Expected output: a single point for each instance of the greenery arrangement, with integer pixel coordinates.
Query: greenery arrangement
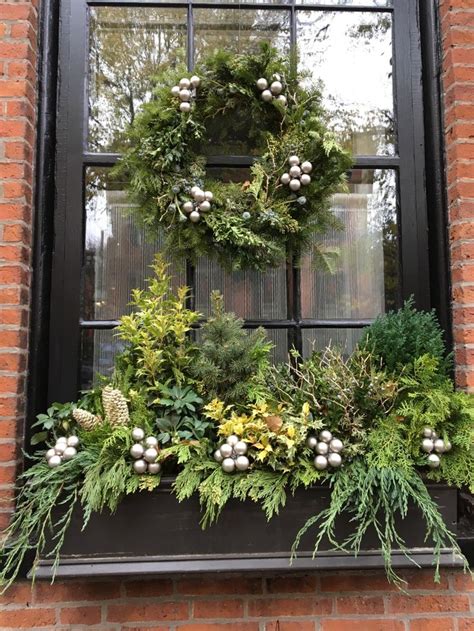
(379, 401)
(261, 222)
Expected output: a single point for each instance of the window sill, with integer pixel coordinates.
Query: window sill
(153, 534)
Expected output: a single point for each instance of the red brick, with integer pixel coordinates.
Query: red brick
(16, 232)
(465, 378)
(148, 612)
(360, 582)
(424, 580)
(13, 211)
(17, 594)
(20, 29)
(8, 429)
(362, 625)
(8, 452)
(148, 588)
(271, 607)
(427, 603)
(21, 11)
(7, 474)
(13, 275)
(433, 624)
(14, 253)
(466, 624)
(81, 615)
(282, 625)
(74, 591)
(17, 151)
(460, 151)
(460, 36)
(22, 68)
(292, 584)
(462, 273)
(11, 170)
(464, 356)
(204, 586)
(360, 605)
(10, 50)
(218, 608)
(27, 618)
(213, 626)
(463, 582)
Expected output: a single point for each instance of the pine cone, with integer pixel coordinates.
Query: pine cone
(115, 407)
(86, 419)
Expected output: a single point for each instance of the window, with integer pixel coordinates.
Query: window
(368, 55)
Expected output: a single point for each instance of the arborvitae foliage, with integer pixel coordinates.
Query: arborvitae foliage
(400, 337)
(230, 360)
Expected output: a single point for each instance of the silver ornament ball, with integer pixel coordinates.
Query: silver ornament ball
(228, 465)
(154, 467)
(335, 460)
(199, 196)
(136, 451)
(209, 196)
(276, 87)
(195, 81)
(184, 83)
(175, 90)
(185, 107)
(151, 441)
(293, 160)
(138, 434)
(321, 463)
(73, 441)
(295, 171)
(140, 466)
(322, 449)
(49, 454)
(205, 206)
(151, 454)
(218, 457)
(232, 440)
(262, 84)
(295, 185)
(285, 178)
(60, 447)
(447, 445)
(226, 450)
(281, 99)
(240, 448)
(194, 190)
(439, 446)
(195, 216)
(306, 167)
(54, 461)
(433, 461)
(246, 215)
(427, 445)
(427, 432)
(325, 436)
(61, 439)
(266, 96)
(69, 453)
(336, 445)
(188, 207)
(242, 463)
(305, 179)
(311, 442)
(184, 95)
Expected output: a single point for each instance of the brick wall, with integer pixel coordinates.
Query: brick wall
(327, 602)
(18, 37)
(320, 602)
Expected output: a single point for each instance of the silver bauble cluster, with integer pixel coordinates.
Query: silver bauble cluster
(272, 91)
(431, 442)
(145, 452)
(328, 450)
(185, 91)
(64, 449)
(201, 203)
(298, 175)
(231, 455)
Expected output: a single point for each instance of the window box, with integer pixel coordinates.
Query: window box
(151, 533)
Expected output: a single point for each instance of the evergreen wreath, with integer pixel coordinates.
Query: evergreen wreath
(257, 224)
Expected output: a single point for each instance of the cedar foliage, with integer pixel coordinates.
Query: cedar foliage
(230, 360)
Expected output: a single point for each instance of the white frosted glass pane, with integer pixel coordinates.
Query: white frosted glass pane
(98, 351)
(118, 251)
(351, 53)
(365, 278)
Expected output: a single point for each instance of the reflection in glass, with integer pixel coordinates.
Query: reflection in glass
(351, 52)
(128, 46)
(239, 30)
(349, 3)
(118, 252)
(344, 340)
(98, 351)
(365, 278)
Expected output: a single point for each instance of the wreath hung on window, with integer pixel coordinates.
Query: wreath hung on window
(286, 199)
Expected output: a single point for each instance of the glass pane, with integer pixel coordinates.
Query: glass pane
(239, 2)
(364, 279)
(318, 339)
(239, 30)
(98, 351)
(118, 252)
(128, 46)
(351, 52)
(349, 3)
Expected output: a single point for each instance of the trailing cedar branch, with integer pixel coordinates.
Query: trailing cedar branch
(374, 498)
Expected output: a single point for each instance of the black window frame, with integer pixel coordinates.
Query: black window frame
(62, 158)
